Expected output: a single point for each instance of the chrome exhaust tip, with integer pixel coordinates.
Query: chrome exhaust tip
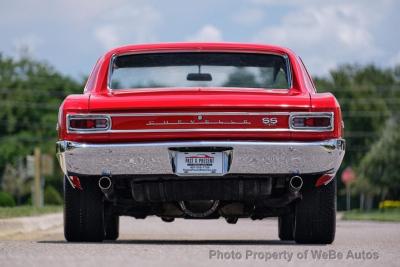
(295, 183)
(105, 183)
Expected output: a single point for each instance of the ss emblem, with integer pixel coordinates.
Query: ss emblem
(270, 121)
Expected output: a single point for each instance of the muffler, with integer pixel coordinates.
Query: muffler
(106, 187)
(295, 184)
(293, 193)
(199, 209)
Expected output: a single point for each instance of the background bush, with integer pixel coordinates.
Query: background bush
(52, 196)
(6, 200)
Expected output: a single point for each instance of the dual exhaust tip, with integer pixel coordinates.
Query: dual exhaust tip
(295, 183)
(105, 183)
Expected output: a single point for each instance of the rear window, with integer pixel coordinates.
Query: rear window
(199, 69)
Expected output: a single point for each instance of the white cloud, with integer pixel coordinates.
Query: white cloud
(128, 24)
(27, 45)
(325, 35)
(107, 36)
(69, 11)
(208, 33)
(249, 16)
(111, 22)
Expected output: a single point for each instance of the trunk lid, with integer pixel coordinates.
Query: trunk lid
(197, 113)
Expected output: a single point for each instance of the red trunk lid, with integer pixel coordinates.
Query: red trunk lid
(197, 113)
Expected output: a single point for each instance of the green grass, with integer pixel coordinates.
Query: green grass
(376, 215)
(21, 211)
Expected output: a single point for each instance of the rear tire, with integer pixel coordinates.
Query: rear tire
(111, 223)
(83, 212)
(315, 218)
(286, 227)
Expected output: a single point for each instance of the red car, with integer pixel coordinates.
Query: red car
(200, 131)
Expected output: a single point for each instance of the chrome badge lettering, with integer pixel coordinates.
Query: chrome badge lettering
(198, 122)
(270, 121)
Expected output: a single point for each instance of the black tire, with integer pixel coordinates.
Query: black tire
(111, 223)
(83, 212)
(286, 227)
(315, 217)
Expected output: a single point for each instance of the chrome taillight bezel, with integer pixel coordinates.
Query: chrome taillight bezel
(328, 128)
(71, 117)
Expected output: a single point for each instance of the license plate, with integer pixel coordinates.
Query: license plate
(197, 163)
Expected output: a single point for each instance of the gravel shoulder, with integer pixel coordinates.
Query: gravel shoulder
(23, 227)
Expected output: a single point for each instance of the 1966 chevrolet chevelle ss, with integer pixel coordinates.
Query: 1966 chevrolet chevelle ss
(200, 131)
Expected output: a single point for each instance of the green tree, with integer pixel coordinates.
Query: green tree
(381, 164)
(30, 94)
(368, 97)
(364, 107)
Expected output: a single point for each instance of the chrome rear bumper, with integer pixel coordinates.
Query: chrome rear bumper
(245, 157)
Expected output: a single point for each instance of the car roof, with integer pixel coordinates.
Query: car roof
(201, 46)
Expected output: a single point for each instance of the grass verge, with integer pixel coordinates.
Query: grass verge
(376, 215)
(22, 211)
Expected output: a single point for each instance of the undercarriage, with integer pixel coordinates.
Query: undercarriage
(232, 197)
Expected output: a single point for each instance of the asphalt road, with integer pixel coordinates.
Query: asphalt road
(151, 242)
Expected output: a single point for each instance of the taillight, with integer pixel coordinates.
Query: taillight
(324, 179)
(311, 121)
(88, 123)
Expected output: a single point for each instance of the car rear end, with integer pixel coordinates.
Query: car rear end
(202, 134)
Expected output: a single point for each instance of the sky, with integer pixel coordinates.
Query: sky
(72, 34)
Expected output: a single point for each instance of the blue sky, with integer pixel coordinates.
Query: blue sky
(72, 34)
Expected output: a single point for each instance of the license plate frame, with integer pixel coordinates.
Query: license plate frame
(199, 163)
